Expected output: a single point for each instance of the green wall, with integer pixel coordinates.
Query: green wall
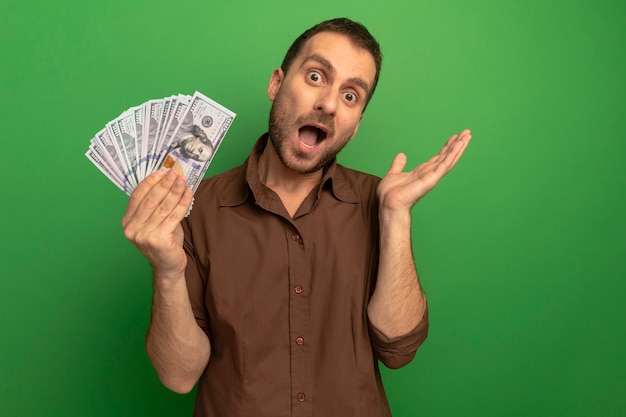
(521, 248)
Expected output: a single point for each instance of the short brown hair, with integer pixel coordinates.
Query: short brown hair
(357, 33)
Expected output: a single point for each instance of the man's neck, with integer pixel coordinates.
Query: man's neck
(292, 187)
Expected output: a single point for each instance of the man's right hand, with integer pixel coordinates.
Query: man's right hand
(178, 348)
(152, 221)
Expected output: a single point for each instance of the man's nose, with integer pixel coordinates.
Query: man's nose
(327, 101)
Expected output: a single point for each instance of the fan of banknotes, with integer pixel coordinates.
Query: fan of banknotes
(179, 132)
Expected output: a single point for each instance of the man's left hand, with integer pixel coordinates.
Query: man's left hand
(400, 190)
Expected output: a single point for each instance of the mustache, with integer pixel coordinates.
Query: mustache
(323, 119)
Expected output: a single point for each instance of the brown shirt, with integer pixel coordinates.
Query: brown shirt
(283, 300)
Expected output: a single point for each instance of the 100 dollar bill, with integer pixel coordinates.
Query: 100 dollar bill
(178, 132)
(200, 129)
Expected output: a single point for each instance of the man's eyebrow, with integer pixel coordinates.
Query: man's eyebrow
(361, 83)
(320, 60)
(329, 67)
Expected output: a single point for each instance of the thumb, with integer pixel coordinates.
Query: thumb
(398, 164)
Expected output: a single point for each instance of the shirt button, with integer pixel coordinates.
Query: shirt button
(298, 289)
(300, 341)
(301, 397)
(295, 237)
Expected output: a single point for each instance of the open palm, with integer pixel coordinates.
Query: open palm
(401, 190)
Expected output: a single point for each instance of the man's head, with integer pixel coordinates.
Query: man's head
(355, 31)
(196, 145)
(319, 99)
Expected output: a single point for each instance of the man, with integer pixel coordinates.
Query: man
(292, 276)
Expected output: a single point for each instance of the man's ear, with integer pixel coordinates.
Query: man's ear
(274, 85)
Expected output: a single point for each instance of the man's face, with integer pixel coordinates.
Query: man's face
(318, 103)
(194, 148)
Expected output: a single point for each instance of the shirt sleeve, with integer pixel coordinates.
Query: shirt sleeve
(196, 283)
(397, 352)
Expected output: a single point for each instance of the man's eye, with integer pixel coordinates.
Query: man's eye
(351, 97)
(315, 76)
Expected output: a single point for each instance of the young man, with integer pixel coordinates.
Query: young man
(292, 276)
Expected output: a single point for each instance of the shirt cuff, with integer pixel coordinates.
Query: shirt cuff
(398, 351)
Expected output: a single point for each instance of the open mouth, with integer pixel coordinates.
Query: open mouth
(311, 136)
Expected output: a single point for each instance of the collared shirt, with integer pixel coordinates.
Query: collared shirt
(284, 300)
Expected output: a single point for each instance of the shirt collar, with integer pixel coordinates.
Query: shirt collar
(333, 178)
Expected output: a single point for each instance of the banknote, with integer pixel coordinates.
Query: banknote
(152, 114)
(98, 160)
(138, 117)
(122, 130)
(201, 128)
(179, 132)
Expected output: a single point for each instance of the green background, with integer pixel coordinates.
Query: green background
(521, 248)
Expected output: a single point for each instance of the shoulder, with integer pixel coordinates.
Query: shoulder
(356, 177)
(347, 181)
(225, 181)
(228, 188)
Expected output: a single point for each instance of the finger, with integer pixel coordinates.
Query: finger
(460, 145)
(398, 164)
(449, 145)
(180, 211)
(455, 139)
(139, 193)
(172, 208)
(152, 198)
(465, 141)
(453, 154)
